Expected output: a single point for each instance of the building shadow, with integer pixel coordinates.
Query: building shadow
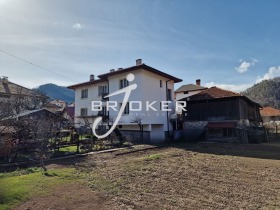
(263, 151)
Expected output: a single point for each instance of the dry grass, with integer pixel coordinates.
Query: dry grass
(198, 176)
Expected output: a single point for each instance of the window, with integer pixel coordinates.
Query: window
(84, 93)
(169, 94)
(186, 92)
(123, 83)
(83, 112)
(160, 83)
(102, 90)
(126, 109)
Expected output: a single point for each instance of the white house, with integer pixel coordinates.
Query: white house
(188, 90)
(152, 85)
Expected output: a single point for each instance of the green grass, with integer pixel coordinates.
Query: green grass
(68, 149)
(21, 185)
(154, 156)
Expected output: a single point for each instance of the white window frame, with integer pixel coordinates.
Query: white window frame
(123, 83)
(84, 93)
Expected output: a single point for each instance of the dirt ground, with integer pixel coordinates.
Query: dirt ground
(202, 176)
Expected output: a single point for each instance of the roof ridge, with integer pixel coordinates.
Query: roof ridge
(227, 90)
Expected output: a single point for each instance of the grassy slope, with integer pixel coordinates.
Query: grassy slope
(21, 185)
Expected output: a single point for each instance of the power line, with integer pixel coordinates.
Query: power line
(36, 65)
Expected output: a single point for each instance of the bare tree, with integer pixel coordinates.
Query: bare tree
(41, 129)
(138, 120)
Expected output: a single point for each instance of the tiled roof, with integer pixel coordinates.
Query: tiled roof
(142, 66)
(8, 88)
(7, 129)
(212, 93)
(216, 93)
(86, 83)
(270, 112)
(190, 87)
(103, 77)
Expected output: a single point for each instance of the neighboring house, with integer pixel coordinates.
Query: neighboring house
(189, 90)
(71, 105)
(36, 114)
(152, 85)
(20, 96)
(270, 114)
(69, 114)
(6, 140)
(61, 109)
(222, 115)
(53, 108)
(59, 103)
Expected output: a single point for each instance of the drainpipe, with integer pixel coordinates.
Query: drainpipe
(167, 118)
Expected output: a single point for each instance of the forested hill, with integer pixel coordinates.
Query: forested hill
(266, 93)
(57, 92)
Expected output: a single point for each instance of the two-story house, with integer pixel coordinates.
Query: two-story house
(153, 87)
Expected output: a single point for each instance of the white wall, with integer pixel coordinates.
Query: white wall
(148, 90)
(86, 102)
(181, 95)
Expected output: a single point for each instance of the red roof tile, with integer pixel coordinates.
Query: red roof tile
(270, 112)
(213, 93)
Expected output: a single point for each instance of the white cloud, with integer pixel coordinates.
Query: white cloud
(78, 26)
(245, 65)
(58, 23)
(235, 88)
(272, 72)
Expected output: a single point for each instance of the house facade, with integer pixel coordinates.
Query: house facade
(152, 86)
(270, 114)
(222, 115)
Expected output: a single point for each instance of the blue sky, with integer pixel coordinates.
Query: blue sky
(230, 44)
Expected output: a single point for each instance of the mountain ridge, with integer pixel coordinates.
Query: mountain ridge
(266, 93)
(56, 92)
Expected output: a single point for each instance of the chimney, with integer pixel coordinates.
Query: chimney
(138, 62)
(5, 80)
(91, 78)
(198, 82)
(112, 70)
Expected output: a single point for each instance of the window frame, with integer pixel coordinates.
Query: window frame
(84, 93)
(126, 109)
(82, 114)
(123, 83)
(169, 94)
(102, 89)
